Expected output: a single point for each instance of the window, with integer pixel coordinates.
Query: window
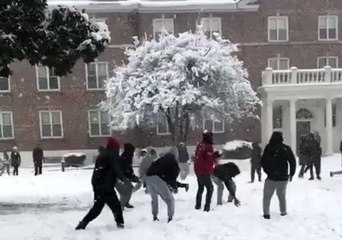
(6, 125)
(327, 28)
(334, 115)
(279, 63)
(213, 123)
(162, 124)
(97, 73)
(278, 29)
(47, 80)
(162, 24)
(327, 61)
(277, 117)
(211, 26)
(98, 123)
(51, 124)
(4, 84)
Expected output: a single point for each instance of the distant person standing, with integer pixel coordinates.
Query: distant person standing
(315, 157)
(337, 172)
(183, 159)
(275, 161)
(256, 162)
(15, 160)
(38, 156)
(6, 162)
(304, 155)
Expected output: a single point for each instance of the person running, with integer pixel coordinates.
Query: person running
(304, 155)
(161, 176)
(204, 167)
(106, 173)
(275, 162)
(15, 160)
(255, 162)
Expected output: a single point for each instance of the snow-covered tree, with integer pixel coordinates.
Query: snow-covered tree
(56, 39)
(179, 77)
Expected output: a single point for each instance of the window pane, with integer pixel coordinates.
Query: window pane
(277, 117)
(43, 83)
(273, 35)
(94, 130)
(7, 131)
(92, 82)
(168, 25)
(52, 72)
(4, 84)
(282, 23)
(104, 129)
(42, 71)
(45, 116)
(157, 26)
(332, 33)
(283, 64)
(215, 25)
(46, 130)
(322, 22)
(321, 62)
(332, 62)
(323, 33)
(53, 83)
(273, 63)
(56, 118)
(282, 34)
(218, 126)
(102, 69)
(57, 130)
(208, 125)
(332, 23)
(205, 24)
(6, 119)
(104, 117)
(272, 24)
(92, 69)
(94, 117)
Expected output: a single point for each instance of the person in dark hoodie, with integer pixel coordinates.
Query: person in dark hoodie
(106, 173)
(15, 160)
(161, 176)
(255, 162)
(38, 156)
(275, 162)
(126, 187)
(223, 175)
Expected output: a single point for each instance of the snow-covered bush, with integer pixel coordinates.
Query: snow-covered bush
(178, 77)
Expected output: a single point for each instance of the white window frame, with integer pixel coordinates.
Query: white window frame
(96, 74)
(163, 22)
(326, 60)
(168, 132)
(210, 19)
(99, 125)
(204, 119)
(269, 29)
(2, 126)
(278, 59)
(50, 115)
(48, 81)
(9, 85)
(319, 32)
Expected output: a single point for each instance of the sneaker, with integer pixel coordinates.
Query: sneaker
(267, 216)
(187, 187)
(120, 225)
(219, 204)
(310, 179)
(197, 207)
(129, 206)
(301, 176)
(169, 220)
(331, 174)
(81, 226)
(283, 214)
(319, 178)
(155, 219)
(207, 208)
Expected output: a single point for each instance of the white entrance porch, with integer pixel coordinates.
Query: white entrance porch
(298, 101)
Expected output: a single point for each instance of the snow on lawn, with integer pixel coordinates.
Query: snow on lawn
(50, 206)
(233, 145)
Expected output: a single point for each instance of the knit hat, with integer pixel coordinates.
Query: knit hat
(112, 143)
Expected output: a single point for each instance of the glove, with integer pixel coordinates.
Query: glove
(237, 203)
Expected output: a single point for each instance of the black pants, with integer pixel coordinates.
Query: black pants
(181, 185)
(317, 165)
(204, 181)
(100, 199)
(15, 170)
(38, 169)
(302, 170)
(255, 168)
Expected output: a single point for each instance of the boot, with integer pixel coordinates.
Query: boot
(81, 226)
(311, 178)
(198, 207)
(155, 219)
(267, 217)
(319, 178)
(331, 174)
(129, 205)
(206, 208)
(169, 220)
(120, 225)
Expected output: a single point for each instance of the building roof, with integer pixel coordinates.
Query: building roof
(159, 5)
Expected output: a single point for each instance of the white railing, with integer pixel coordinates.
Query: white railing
(301, 76)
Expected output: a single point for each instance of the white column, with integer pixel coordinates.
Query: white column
(329, 125)
(293, 125)
(269, 119)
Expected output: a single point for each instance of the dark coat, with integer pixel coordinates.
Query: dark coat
(226, 171)
(106, 171)
(341, 146)
(316, 151)
(15, 159)
(183, 155)
(256, 155)
(126, 162)
(276, 160)
(38, 156)
(166, 168)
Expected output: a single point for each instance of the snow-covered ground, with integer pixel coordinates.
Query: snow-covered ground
(50, 206)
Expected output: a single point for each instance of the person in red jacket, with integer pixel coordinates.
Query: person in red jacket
(204, 167)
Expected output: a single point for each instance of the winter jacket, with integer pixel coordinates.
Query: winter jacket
(145, 165)
(38, 156)
(256, 155)
(183, 155)
(166, 168)
(6, 159)
(226, 172)
(106, 171)
(276, 160)
(204, 159)
(126, 161)
(15, 159)
(316, 151)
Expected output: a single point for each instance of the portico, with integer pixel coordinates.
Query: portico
(299, 101)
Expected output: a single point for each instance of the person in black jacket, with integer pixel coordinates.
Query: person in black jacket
(161, 176)
(224, 174)
(316, 153)
(255, 162)
(105, 175)
(15, 160)
(38, 156)
(126, 187)
(275, 162)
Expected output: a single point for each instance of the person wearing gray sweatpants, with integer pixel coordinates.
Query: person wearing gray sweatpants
(160, 178)
(275, 161)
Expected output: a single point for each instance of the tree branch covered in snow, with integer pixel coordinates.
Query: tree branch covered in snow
(179, 76)
(56, 40)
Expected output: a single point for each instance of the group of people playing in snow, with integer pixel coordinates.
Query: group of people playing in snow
(14, 160)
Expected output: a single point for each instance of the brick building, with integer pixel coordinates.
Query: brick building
(61, 113)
